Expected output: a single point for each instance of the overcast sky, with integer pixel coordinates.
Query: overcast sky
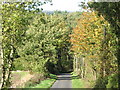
(63, 5)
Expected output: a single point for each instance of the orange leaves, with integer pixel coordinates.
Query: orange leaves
(88, 33)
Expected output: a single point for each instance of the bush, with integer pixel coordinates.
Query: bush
(107, 82)
(18, 64)
(112, 81)
(101, 82)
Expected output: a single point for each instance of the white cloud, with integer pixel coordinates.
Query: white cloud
(63, 5)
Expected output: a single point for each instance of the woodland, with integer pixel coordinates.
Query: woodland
(86, 43)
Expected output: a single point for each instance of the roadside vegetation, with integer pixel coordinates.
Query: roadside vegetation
(77, 82)
(47, 83)
(25, 79)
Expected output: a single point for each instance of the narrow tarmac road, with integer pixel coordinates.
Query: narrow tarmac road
(63, 81)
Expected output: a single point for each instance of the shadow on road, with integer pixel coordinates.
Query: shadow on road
(64, 78)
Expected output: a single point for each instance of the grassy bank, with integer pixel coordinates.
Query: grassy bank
(19, 78)
(24, 79)
(76, 81)
(46, 83)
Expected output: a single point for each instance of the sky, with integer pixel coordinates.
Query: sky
(63, 5)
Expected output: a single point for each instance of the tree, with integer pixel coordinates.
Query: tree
(111, 14)
(47, 44)
(91, 41)
(14, 24)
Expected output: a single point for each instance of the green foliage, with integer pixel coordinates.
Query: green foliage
(14, 27)
(46, 45)
(107, 82)
(101, 82)
(52, 76)
(112, 81)
(15, 21)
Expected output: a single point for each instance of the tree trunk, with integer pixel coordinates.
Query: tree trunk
(7, 70)
(1, 63)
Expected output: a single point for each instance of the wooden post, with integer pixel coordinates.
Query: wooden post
(74, 66)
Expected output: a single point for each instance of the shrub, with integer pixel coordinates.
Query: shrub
(101, 82)
(112, 81)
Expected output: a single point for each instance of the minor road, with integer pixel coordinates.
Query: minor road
(63, 81)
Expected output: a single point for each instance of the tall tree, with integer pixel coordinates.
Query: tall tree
(110, 11)
(14, 24)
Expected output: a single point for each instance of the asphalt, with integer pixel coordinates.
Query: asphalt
(63, 81)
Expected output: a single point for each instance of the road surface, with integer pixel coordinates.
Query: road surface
(63, 81)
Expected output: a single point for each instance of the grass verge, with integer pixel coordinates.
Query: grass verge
(76, 81)
(46, 83)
